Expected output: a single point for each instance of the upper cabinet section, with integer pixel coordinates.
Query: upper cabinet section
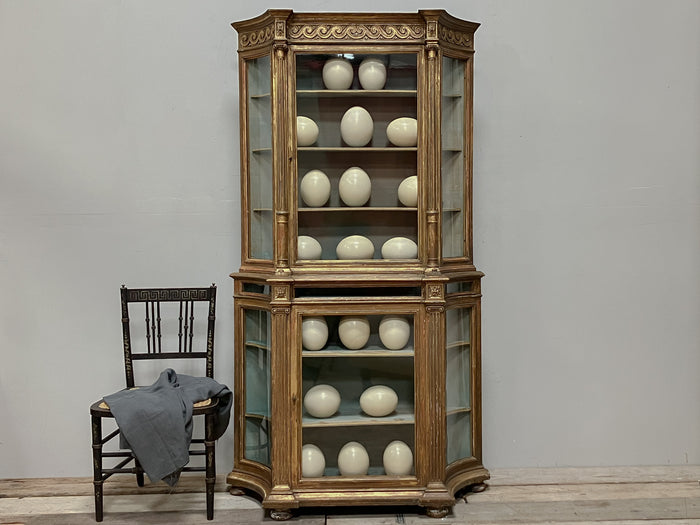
(356, 141)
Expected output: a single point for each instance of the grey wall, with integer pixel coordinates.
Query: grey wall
(119, 163)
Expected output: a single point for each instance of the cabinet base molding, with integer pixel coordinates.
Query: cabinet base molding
(281, 503)
(247, 481)
(471, 478)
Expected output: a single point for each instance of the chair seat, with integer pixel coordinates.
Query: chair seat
(101, 408)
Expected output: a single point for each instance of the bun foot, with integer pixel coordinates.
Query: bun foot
(280, 515)
(440, 512)
(479, 487)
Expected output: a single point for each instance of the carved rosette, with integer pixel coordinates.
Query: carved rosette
(280, 293)
(435, 291)
(357, 32)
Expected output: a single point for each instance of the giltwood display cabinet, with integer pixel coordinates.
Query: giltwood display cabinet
(357, 304)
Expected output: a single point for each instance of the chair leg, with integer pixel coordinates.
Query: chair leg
(139, 473)
(210, 448)
(97, 464)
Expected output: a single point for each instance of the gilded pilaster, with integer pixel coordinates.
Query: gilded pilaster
(432, 126)
(280, 143)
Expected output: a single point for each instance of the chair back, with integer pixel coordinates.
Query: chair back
(183, 310)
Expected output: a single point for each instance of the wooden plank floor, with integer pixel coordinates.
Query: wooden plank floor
(621, 495)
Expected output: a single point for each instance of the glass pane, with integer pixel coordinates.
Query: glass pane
(458, 384)
(358, 388)
(257, 375)
(459, 287)
(367, 203)
(260, 158)
(453, 157)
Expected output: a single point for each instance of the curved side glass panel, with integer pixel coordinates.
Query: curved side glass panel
(258, 386)
(459, 412)
(453, 156)
(260, 218)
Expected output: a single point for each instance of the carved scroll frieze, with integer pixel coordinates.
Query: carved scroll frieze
(457, 38)
(256, 38)
(357, 32)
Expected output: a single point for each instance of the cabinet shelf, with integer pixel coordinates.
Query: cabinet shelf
(332, 473)
(326, 93)
(353, 149)
(350, 414)
(359, 209)
(257, 344)
(451, 411)
(366, 352)
(458, 344)
(257, 415)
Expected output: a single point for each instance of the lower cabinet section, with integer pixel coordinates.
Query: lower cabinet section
(362, 397)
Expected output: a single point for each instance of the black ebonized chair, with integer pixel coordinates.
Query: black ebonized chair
(159, 324)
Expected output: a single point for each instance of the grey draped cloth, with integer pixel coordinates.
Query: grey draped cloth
(156, 421)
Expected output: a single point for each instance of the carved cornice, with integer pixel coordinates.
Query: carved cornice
(357, 32)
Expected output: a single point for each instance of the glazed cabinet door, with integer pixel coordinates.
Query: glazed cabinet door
(357, 157)
(358, 415)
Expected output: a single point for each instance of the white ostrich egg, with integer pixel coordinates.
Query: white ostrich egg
(308, 248)
(357, 127)
(314, 333)
(307, 131)
(315, 188)
(337, 74)
(403, 132)
(353, 459)
(379, 401)
(398, 459)
(353, 331)
(322, 401)
(394, 331)
(355, 247)
(372, 73)
(399, 248)
(313, 462)
(355, 186)
(408, 191)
